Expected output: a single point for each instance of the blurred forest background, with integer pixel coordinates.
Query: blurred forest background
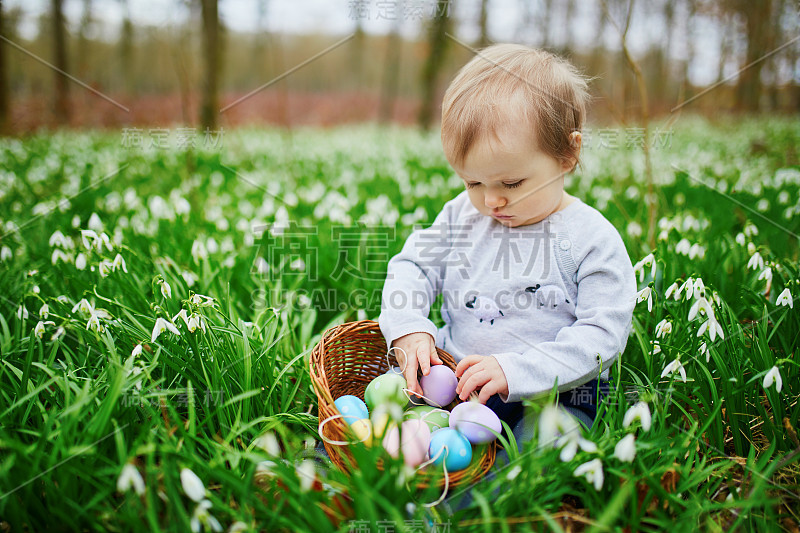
(67, 63)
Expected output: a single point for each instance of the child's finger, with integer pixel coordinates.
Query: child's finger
(435, 354)
(424, 360)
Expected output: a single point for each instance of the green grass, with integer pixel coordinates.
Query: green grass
(76, 408)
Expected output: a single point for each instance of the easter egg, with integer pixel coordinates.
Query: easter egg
(351, 407)
(439, 386)
(411, 439)
(381, 422)
(474, 420)
(450, 447)
(362, 429)
(386, 388)
(434, 417)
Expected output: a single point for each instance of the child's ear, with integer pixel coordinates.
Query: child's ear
(575, 140)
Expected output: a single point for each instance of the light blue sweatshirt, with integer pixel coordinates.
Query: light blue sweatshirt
(551, 301)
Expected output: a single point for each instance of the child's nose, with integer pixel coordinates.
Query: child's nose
(494, 201)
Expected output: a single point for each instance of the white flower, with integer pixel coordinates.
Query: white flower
(202, 301)
(58, 334)
(84, 306)
(675, 366)
(196, 321)
(699, 288)
(199, 251)
(269, 443)
(773, 376)
(672, 289)
(130, 478)
(625, 450)
(756, 262)
(58, 255)
(39, 329)
(750, 229)
(6, 253)
(701, 306)
(22, 312)
(166, 290)
(697, 251)
(634, 229)
(189, 278)
(58, 239)
(571, 442)
(740, 240)
(80, 261)
(592, 471)
(648, 260)
(785, 298)
(201, 518)
(86, 235)
(95, 223)
(192, 485)
(513, 473)
(94, 323)
(639, 411)
(137, 350)
(663, 328)
(656, 347)
(161, 326)
(307, 474)
(44, 311)
(106, 267)
(704, 351)
(713, 328)
(119, 262)
(683, 247)
(688, 285)
(298, 265)
(646, 294)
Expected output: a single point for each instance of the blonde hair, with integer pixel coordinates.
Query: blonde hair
(509, 82)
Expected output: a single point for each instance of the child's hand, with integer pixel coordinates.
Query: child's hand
(421, 351)
(482, 371)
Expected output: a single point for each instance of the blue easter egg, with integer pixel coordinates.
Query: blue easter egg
(351, 407)
(452, 448)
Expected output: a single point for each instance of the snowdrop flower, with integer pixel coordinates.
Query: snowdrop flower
(130, 478)
(161, 326)
(646, 294)
(750, 229)
(756, 262)
(94, 323)
(202, 519)
(95, 223)
(656, 347)
(202, 301)
(58, 334)
(634, 229)
(6, 253)
(84, 306)
(199, 251)
(592, 471)
(625, 450)
(80, 261)
(189, 278)
(740, 240)
(57, 239)
(675, 366)
(639, 411)
(166, 290)
(307, 474)
(699, 288)
(785, 298)
(196, 321)
(713, 328)
(687, 285)
(701, 306)
(95, 242)
(697, 251)
(192, 485)
(298, 265)
(58, 255)
(704, 351)
(671, 289)
(106, 267)
(22, 313)
(570, 442)
(44, 311)
(648, 260)
(119, 262)
(269, 443)
(773, 376)
(663, 328)
(39, 329)
(683, 247)
(137, 350)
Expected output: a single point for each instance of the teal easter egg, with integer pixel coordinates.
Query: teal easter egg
(450, 447)
(351, 407)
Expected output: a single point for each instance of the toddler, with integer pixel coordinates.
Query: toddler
(537, 287)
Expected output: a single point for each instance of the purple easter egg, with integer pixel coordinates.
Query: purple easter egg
(439, 386)
(474, 420)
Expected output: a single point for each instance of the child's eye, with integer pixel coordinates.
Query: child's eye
(472, 185)
(513, 185)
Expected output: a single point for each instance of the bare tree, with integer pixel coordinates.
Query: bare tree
(437, 48)
(757, 16)
(126, 48)
(391, 70)
(83, 39)
(483, 25)
(209, 108)
(4, 106)
(60, 61)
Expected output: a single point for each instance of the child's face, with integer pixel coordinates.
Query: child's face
(512, 180)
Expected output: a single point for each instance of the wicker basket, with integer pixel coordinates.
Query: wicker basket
(346, 359)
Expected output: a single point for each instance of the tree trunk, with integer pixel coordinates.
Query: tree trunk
(483, 23)
(430, 72)
(126, 49)
(757, 17)
(209, 109)
(60, 61)
(391, 72)
(4, 108)
(83, 40)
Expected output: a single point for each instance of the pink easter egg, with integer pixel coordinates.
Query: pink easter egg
(474, 420)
